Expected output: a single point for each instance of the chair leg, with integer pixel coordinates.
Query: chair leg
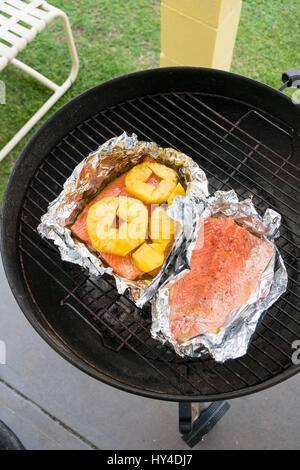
(37, 75)
(35, 118)
(71, 45)
(58, 90)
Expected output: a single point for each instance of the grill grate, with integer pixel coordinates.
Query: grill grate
(251, 154)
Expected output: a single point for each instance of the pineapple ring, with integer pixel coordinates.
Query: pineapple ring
(132, 231)
(136, 185)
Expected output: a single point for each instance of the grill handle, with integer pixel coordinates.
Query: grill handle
(289, 79)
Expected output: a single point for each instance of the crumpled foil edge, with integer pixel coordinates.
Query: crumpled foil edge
(233, 339)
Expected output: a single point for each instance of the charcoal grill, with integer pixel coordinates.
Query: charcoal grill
(244, 135)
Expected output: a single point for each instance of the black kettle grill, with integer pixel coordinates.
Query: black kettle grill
(244, 135)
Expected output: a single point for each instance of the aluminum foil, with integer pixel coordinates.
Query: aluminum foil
(234, 336)
(111, 159)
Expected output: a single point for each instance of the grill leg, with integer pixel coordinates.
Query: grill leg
(194, 428)
(185, 418)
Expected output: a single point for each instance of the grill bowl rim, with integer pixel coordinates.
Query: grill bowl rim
(11, 260)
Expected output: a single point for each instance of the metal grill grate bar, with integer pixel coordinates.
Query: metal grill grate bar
(223, 118)
(235, 126)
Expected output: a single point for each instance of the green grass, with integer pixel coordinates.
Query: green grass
(268, 40)
(114, 37)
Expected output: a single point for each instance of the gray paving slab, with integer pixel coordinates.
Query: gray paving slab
(111, 419)
(34, 427)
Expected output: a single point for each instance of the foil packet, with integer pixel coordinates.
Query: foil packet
(234, 336)
(114, 157)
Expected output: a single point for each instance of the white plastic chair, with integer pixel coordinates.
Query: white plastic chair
(36, 15)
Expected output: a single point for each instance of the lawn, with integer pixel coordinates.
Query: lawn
(114, 37)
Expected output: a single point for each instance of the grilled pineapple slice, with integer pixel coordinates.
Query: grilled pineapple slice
(162, 227)
(146, 258)
(136, 185)
(177, 191)
(133, 223)
(151, 256)
(160, 247)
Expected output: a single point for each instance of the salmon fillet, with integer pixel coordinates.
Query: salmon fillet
(122, 265)
(224, 271)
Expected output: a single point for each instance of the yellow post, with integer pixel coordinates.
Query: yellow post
(199, 33)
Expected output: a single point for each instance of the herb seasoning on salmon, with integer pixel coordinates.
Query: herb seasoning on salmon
(225, 269)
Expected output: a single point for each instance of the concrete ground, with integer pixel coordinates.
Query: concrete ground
(50, 404)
